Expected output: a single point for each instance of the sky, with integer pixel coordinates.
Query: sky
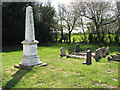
(56, 2)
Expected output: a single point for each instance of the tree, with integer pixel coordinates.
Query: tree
(98, 12)
(118, 12)
(80, 23)
(70, 19)
(118, 15)
(13, 22)
(60, 16)
(44, 19)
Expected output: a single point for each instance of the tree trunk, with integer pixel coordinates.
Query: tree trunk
(69, 37)
(98, 35)
(103, 35)
(109, 37)
(61, 34)
(118, 7)
(84, 36)
(83, 29)
(56, 36)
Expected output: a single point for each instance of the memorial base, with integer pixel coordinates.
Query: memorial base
(29, 67)
(30, 60)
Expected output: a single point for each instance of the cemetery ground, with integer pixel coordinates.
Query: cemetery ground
(60, 72)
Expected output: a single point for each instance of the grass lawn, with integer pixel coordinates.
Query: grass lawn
(60, 72)
(78, 38)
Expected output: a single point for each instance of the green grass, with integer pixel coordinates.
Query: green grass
(60, 72)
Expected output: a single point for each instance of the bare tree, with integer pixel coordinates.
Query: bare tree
(100, 13)
(118, 13)
(60, 18)
(80, 24)
(70, 19)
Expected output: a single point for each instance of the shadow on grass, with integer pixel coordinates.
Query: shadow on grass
(114, 47)
(11, 48)
(16, 78)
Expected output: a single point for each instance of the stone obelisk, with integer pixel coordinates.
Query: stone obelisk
(30, 54)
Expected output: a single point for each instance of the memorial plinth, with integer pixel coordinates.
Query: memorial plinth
(30, 54)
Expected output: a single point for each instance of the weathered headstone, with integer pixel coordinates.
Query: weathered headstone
(88, 60)
(115, 57)
(63, 52)
(77, 48)
(30, 54)
(70, 50)
(107, 50)
(98, 54)
(103, 52)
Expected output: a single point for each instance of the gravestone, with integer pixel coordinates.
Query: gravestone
(30, 54)
(98, 54)
(70, 50)
(77, 48)
(107, 50)
(88, 60)
(103, 52)
(63, 52)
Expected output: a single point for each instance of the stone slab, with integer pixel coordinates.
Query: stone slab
(82, 54)
(76, 56)
(29, 67)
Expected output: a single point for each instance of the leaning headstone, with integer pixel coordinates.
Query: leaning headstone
(30, 54)
(88, 60)
(107, 50)
(70, 50)
(98, 54)
(63, 52)
(77, 48)
(103, 52)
